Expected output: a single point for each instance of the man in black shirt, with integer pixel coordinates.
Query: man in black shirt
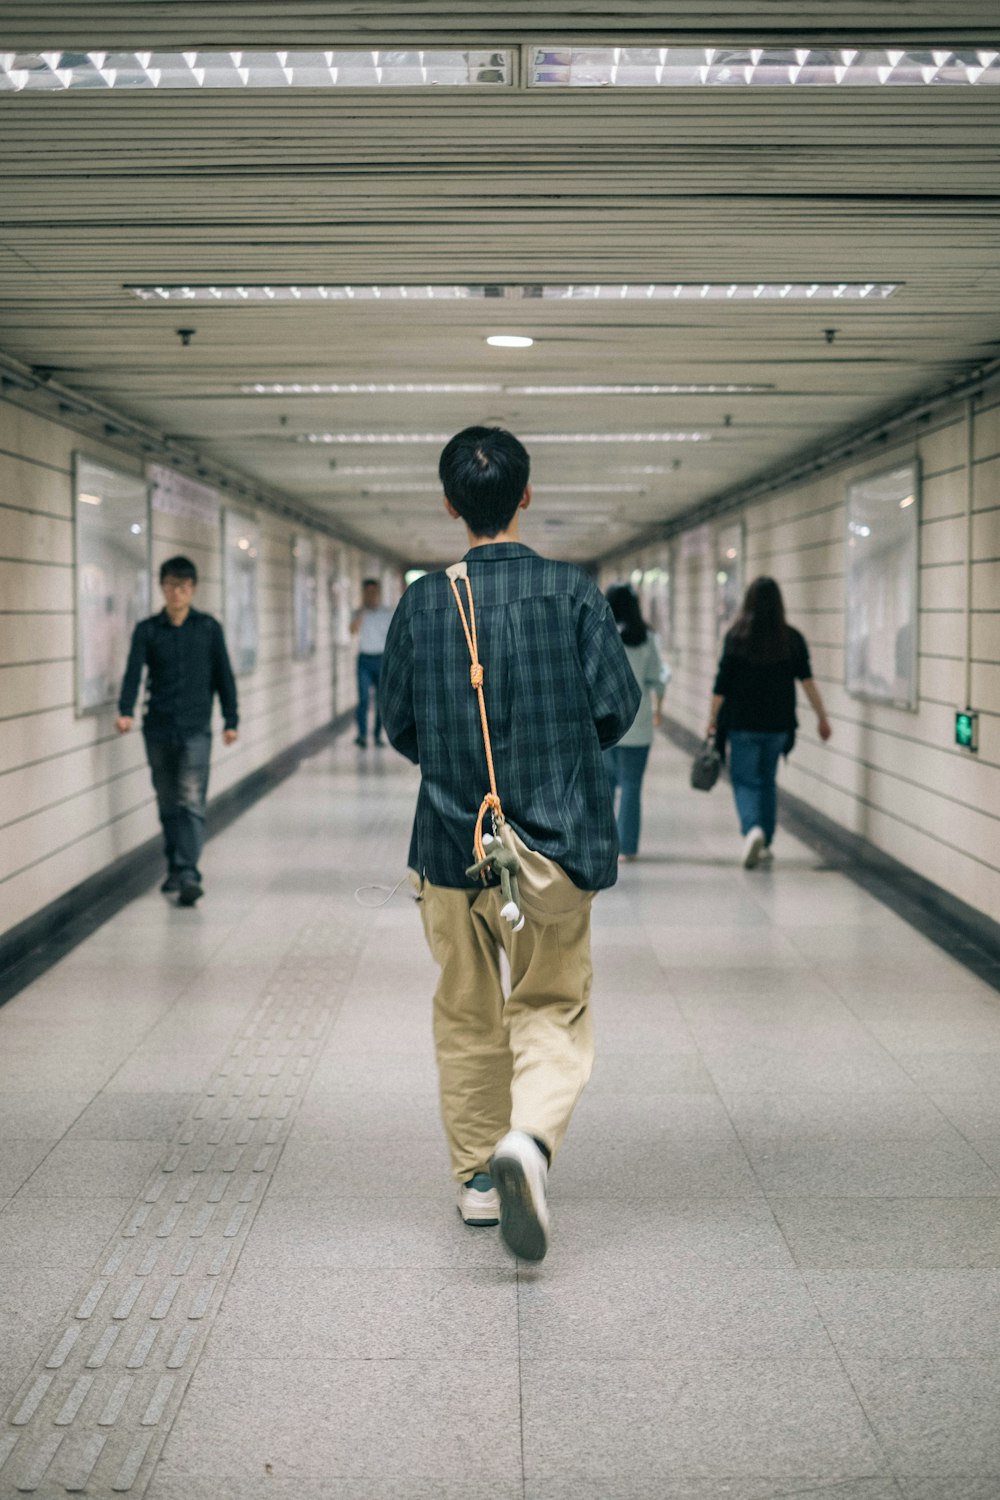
(184, 653)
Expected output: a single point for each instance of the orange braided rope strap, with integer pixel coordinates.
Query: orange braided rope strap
(491, 802)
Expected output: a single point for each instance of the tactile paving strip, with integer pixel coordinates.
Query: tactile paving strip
(95, 1412)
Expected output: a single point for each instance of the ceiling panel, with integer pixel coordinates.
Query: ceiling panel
(128, 23)
(505, 185)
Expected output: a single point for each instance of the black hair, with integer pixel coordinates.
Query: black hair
(628, 615)
(371, 583)
(760, 630)
(484, 471)
(178, 567)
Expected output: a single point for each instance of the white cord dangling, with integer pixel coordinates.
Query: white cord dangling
(374, 905)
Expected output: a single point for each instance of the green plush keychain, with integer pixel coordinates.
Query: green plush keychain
(505, 864)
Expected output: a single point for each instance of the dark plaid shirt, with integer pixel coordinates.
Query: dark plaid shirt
(559, 690)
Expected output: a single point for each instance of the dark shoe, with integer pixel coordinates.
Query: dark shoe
(519, 1172)
(171, 884)
(379, 742)
(361, 742)
(191, 892)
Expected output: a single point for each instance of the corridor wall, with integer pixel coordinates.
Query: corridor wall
(74, 795)
(892, 776)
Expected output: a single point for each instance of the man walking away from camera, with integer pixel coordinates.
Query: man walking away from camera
(558, 691)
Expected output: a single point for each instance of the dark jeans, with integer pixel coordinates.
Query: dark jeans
(626, 766)
(369, 668)
(753, 770)
(180, 776)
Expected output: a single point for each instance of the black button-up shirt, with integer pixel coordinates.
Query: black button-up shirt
(559, 690)
(186, 665)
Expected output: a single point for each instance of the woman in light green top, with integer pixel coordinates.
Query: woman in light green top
(626, 761)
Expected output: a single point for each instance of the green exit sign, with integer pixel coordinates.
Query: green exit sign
(967, 730)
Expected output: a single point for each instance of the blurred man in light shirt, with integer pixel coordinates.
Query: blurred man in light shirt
(371, 625)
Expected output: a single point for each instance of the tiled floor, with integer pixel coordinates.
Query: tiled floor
(776, 1259)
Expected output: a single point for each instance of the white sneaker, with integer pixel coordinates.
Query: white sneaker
(479, 1202)
(520, 1172)
(766, 855)
(752, 847)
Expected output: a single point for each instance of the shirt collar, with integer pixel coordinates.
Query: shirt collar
(498, 552)
(164, 619)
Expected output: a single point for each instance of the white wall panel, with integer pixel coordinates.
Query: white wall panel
(896, 778)
(32, 638)
(986, 532)
(36, 487)
(35, 538)
(74, 795)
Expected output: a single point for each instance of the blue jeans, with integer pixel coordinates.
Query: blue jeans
(369, 668)
(180, 777)
(753, 769)
(626, 765)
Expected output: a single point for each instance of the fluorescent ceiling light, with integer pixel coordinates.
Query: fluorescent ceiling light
(537, 437)
(358, 388)
(403, 489)
(767, 67)
(684, 291)
(373, 388)
(356, 470)
(632, 390)
(373, 437)
(255, 70)
(510, 341)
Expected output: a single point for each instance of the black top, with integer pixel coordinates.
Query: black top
(186, 665)
(558, 691)
(761, 695)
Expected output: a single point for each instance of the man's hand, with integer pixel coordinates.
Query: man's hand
(824, 727)
(123, 724)
(230, 736)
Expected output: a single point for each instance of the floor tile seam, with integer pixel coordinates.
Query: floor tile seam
(991, 1166)
(246, 1033)
(518, 1283)
(715, 1090)
(870, 1424)
(761, 1191)
(850, 1004)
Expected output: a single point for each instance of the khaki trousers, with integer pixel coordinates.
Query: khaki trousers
(514, 1062)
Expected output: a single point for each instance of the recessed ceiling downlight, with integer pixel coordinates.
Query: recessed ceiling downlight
(510, 341)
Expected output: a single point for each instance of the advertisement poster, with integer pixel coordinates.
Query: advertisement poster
(111, 513)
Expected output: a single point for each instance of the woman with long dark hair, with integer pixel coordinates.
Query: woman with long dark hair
(762, 658)
(626, 761)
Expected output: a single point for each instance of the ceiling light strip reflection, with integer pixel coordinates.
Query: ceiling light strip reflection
(685, 291)
(373, 388)
(761, 67)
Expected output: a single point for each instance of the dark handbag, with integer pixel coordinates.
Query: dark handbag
(705, 767)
